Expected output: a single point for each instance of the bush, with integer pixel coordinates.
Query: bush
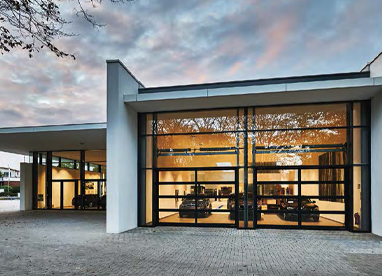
(11, 191)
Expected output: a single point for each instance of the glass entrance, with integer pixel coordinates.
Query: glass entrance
(300, 196)
(63, 194)
(301, 166)
(198, 196)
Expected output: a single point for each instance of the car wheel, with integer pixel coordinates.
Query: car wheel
(316, 218)
(285, 216)
(90, 204)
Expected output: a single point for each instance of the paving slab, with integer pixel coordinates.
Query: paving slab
(75, 243)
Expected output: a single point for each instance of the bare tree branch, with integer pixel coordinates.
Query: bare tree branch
(33, 25)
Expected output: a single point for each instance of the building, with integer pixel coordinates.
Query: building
(9, 176)
(296, 152)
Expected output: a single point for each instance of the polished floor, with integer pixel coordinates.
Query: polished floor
(266, 219)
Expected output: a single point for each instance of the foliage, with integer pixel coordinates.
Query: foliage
(9, 191)
(33, 25)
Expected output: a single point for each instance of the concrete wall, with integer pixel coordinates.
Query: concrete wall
(26, 187)
(376, 163)
(376, 67)
(122, 150)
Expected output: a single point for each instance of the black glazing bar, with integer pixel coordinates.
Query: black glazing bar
(196, 187)
(34, 179)
(349, 172)
(237, 197)
(237, 136)
(76, 194)
(245, 168)
(48, 196)
(155, 174)
(299, 197)
(61, 195)
(316, 146)
(98, 193)
(296, 196)
(298, 150)
(302, 167)
(254, 130)
(82, 179)
(307, 182)
(255, 197)
(199, 153)
(200, 182)
(198, 168)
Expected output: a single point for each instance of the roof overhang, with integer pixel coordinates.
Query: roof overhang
(23, 140)
(255, 95)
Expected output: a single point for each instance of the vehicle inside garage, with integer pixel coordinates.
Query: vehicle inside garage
(296, 166)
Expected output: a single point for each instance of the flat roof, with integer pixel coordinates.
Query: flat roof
(255, 82)
(22, 140)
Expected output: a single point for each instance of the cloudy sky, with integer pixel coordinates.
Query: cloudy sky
(169, 42)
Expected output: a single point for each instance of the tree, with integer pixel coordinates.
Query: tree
(33, 25)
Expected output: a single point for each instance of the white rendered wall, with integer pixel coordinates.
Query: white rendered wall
(376, 164)
(122, 151)
(376, 67)
(26, 187)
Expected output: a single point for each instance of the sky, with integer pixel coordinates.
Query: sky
(172, 42)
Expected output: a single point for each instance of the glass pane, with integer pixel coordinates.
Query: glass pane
(149, 196)
(68, 163)
(300, 116)
(56, 195)
(41, 184)
(177, 203)
(95, 164)
(360, 146)
(361, 193)
(219, 175)
(209, 150)
(66, 168)
(69, 198)
(176, 176)
(298, 147)
(332, 220)
(149, 123)
(149, 152)
(315, 204)
(361, 113)
(276, 175)
(197, 121)
(215, 218)
(324, 175)
(316, 190)
(174, 217)
(176, 190)
(289, 219)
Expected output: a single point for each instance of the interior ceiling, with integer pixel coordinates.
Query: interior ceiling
(92, 156)
(75, 139)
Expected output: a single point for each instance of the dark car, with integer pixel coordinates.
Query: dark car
(306, 205)
(90, 201)
(231, 207)
(188, 205)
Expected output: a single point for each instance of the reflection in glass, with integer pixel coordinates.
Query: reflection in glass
(300, 116)
(197, 121)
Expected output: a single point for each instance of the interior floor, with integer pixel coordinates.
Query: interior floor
(266, 219)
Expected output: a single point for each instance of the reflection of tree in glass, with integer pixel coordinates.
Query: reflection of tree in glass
(207, 123)
(283, 139)
(194, 143)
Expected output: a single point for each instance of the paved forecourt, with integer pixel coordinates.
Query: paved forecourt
(75, 243)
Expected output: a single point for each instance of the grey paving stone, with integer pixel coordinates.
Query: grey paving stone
(75, 243)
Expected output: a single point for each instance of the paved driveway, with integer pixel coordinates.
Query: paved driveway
(75, 243)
